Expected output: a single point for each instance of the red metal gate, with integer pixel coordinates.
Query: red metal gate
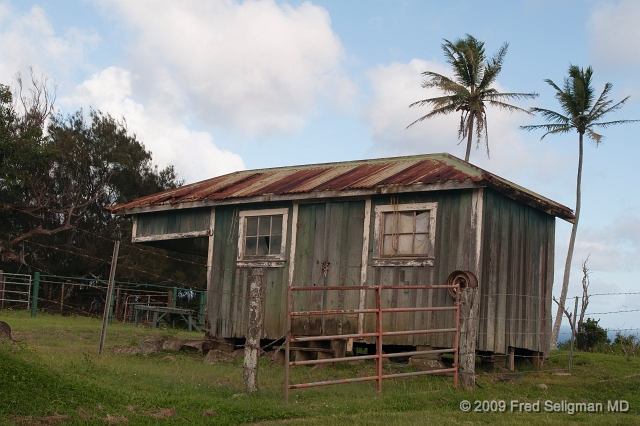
(379, 334)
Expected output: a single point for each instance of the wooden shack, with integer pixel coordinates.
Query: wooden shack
(406, 220)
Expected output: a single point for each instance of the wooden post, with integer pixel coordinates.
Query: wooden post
(35, 292)
(107, 305)
(469, 310)
(117, 308)
(573, 334)
(62, 299)
(252, 344)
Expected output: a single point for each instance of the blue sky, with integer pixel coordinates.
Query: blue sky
(217, 86)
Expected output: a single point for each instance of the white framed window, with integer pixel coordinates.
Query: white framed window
(262, 237)
(405, 234)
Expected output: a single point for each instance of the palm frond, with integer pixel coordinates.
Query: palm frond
(508, 107)
(601, 113)
(602, 101)
(493, 94)
(493, 67)
(439, 101)
(552, 116)
(597, 138)
(549, 128)
(612, 123)
(438, 111)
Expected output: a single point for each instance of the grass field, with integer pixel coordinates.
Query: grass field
(55, 376)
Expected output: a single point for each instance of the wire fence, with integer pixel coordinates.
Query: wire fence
(87, 296)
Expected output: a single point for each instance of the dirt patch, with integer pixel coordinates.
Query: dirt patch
(41, 421)
(114, 420)
(156, 344)
(209, 413)
(215, 355)
(163, 413)
(83, 414)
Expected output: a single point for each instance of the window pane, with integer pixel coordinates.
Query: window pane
(276, 244)
(405, 244)
(405, 222)
(250, 246)
(252, 226)
(276, 225)
(263, 246)
(422, 222)
(421, 244)
(264, 227)
(388, 223)
(387, 246)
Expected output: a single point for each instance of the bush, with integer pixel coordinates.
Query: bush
(592, 337)
(629, 345)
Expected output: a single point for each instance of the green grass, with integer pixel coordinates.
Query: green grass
(55, 370)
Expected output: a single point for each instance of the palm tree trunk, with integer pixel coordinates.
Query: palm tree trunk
(567, 266)
(469, 137)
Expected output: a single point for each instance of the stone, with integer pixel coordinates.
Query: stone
(172, 344)
(543, 386)
(426, 364)
(215, 355)
(125, 350)
(5, 331)
(150, 345)
(192, 345)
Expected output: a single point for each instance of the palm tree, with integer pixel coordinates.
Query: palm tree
(582, 113)
(471, 90)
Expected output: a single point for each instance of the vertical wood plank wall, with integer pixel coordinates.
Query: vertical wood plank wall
(517, 277)
(515, 271)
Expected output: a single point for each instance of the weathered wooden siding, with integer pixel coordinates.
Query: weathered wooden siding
(173, 222)
(515, 271)
(229, 313)
(453, 251)
(331, 233)
(517, 276)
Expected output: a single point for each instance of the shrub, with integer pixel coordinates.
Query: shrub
(592, 337)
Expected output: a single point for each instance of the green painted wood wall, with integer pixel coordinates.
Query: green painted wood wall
(515, 273)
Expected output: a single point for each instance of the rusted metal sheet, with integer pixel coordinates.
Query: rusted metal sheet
(344, 176)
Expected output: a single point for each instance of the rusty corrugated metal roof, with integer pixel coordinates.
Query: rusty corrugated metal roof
(336, 177)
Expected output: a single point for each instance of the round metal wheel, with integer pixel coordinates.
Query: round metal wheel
(462, 278)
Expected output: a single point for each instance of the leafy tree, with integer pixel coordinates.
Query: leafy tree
(582, 112)
(55, 185)
(470, 92)
(25, 159)
(591, 336)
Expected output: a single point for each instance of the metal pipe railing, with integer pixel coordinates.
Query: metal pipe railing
(378, 334)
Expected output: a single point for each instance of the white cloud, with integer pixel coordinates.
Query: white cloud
(615, 247)
(29, 40)
(255, 67)
(192, 153)
(395, 86)
(615, 33)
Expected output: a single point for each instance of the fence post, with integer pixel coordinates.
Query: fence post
(252, 344)
(469, 310)
(573, 334)
(1, 290)
(174, 297)
(202, 306)
(107, 308)
(62, 299)
(34, 297)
